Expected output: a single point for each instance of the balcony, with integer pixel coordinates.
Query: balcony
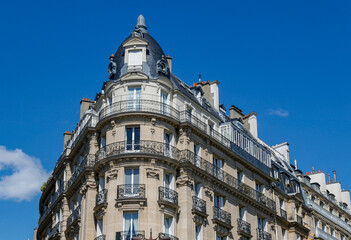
(88, 161)
(320, 234)
(283, 214)
(299, 220)
(145, 147)
(101, 197)
(166, 236)
(56, 195)
(189, 157)
(53, 232)
(74, 217)
(244, 228)
(130, 191)
(101, 237)
(127, 235)
(199, 205)
(325, 213)
(167, 195)
(263, 235)
(44, 215)
(141, 106)
(221, 216)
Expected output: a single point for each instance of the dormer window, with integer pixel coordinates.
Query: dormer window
(135, 58)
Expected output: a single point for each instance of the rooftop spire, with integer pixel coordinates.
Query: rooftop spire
(141, 23)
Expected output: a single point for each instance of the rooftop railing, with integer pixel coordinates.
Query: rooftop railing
(329, 215)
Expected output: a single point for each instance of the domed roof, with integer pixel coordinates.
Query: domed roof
(156, 64)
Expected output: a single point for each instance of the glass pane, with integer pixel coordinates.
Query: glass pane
(137, 138)
(128, 176)
(129, 133)
(136, 176)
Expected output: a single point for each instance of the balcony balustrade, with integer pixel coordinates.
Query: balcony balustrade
(101, 197)
(263, 235)
(320, 234)
(101, 237)
(139, 105)
(128, 235)
(325, 213)
(283, 214)
(131, 191)
(56, 229)
(88, 161)
(222, 216)
(74, 216)
(244, 227)
(168, 195)
(187, 156)
(138, 147)
(199, 205)
(166, 236)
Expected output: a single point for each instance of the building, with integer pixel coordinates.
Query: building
(151, 153)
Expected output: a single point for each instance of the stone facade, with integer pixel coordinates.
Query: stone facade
(152, 155)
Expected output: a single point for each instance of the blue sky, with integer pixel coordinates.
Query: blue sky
(289, 61)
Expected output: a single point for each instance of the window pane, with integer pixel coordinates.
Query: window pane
(135, 58)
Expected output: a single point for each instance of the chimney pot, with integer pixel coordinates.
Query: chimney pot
(334, 173)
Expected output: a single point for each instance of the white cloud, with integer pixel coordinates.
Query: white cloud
(278, 112)
(25, 177)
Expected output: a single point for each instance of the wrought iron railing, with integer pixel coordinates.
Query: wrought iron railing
(222, 216)
(56, 229)
(131, 191)
(101, 197)
(87, 121)
(166, 236)
(263, 235)
(188, 156)
(244, 226)
(88, 161)
(168, 195)
(44, 215)
(139, 105)
(283, 214)
(74, 216)
(101, 237)
(57, 194)
(199, 204)
(142, 147)
(128, 235)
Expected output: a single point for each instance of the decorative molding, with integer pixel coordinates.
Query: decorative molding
(153, 123)
(208, 191)
(185, 136)
(185, 181)
(153, 173)
(111, 174)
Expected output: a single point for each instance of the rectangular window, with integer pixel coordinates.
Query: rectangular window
(198, 232)
(168, 140)
(101, 183)
(262, 223)
(168, 181)
(284, 237)
(130, 224)
(242, 213)
(217, 168)
(99, 230)
(168, 225)
(197, 155)
(134, 98)
(163, 103)
(220, 237)
(197, 190)
(219, 201)
(240, 176)
(133, 138)
(131, 182)
(259, 187)
(135, 58)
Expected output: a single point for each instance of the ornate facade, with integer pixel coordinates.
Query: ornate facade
(154, 156)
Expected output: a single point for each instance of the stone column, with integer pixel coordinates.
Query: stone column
(109, 218)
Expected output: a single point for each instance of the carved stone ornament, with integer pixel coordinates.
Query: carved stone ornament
(111, 174)
(221, 230)
(112, 68)
(208, 191)
(113, 127)
(184, 181)
(100, 214)
(184, 135)
(137, 32)
(153, 173)
(200, 220)
(153, 123)
(162, 66)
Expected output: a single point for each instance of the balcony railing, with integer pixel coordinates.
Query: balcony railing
(139, 105)
(139, 147)
(166, 236)
(56, 229)
(45, 214)
(263, 235)
(87, 121)
(57, 194)
(74, 216)
(131, 191)
(199, 204)
(299, 220)
(88, 161)
(101, 197)
(283, 214)
(187, 156)
(329, 215)
(168, 195)
(128, 235)
(244, 226)
(222, 216)
(101, 237)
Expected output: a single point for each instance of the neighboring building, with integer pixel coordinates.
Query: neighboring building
(152, 153)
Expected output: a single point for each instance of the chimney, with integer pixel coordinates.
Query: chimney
(85, 103)
(211, 92)
(66, 137)
(169, 61)
(329, 179)
(283, 149)
(235, 112)
(334, 173)
(250, 123)
(295, 163)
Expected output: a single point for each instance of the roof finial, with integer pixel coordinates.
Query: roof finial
(141, 23)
